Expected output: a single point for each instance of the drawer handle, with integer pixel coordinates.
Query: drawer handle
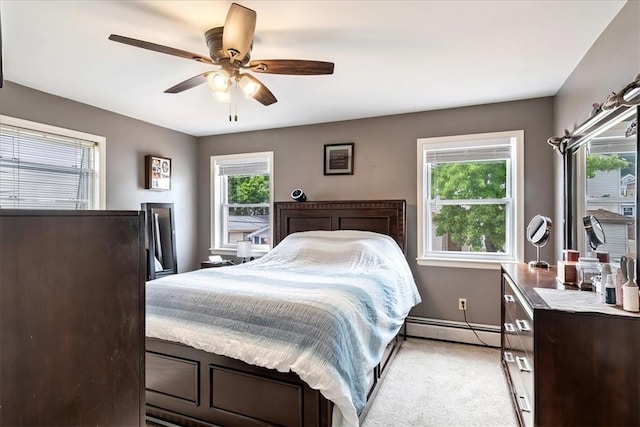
(523, 364)
(508, 356)
(509, 327)
(523, 402)
(523, 325)
(509, 298)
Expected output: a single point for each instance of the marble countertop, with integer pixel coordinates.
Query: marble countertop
(579, 302)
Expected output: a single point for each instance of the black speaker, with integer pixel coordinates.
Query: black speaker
(298, 195)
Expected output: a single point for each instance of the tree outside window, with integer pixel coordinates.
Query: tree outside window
(476, 227)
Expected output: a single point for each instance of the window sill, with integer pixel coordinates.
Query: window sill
(462, 263)
(232, 251)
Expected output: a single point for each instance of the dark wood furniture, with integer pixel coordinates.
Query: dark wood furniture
(382, 216)
(567, 368)
(209, 264)
(195, 388)
(71, 318)
(160, 239)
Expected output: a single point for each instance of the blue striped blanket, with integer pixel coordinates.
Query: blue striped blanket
(321, 304)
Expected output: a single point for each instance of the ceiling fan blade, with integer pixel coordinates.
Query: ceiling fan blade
(239, 28)
(263, 95)
(291, 66)
(189, 83)
(160, 48)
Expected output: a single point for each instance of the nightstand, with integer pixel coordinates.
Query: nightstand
(209, 264)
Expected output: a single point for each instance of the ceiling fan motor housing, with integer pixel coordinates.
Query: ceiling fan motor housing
(213, 38)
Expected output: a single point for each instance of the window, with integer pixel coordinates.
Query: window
(470, 199)
(242, 200)
(46, 167)
(628, 210)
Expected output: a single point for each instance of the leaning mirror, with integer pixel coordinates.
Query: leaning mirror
(160, 240)
(538, 234)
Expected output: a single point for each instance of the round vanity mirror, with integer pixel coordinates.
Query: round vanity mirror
(539, 233)
(594, 230)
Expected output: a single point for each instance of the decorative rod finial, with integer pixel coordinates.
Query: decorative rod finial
(559, 143)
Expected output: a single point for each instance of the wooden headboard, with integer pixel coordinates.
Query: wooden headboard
(382, 216)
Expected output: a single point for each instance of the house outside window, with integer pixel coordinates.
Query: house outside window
(47, 167)
(242, 201)
(470, 208)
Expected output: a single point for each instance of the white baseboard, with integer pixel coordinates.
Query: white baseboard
(449, 330)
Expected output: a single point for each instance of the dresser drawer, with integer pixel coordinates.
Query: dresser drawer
(522, 390)
(518, 317)
(518, 350)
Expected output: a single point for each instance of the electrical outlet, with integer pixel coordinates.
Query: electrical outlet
(462, 304)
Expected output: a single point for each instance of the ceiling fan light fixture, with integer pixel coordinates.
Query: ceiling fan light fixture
(222, 95)
(218, 81)
(249, 85)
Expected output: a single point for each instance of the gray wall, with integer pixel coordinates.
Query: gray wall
(610, 64)
(385, 168)
(128, 141)
(384, 154)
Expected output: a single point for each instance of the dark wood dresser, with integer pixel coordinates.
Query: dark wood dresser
(577, 366)
(71, 318)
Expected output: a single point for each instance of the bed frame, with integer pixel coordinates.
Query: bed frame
(190, 387)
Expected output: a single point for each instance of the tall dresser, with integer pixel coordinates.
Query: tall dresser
(71, 318)
(569, 359)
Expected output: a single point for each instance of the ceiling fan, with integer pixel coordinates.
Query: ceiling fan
(230, 48)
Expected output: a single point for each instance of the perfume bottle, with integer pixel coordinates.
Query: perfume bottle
(630, 289)
(610, 291)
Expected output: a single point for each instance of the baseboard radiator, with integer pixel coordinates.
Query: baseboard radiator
(451, 330)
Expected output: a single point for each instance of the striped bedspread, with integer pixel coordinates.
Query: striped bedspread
(321, 304)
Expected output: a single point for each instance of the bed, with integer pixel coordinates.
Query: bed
(190, 382)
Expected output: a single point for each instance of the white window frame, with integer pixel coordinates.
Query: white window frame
(100, 188)
(624, 206)
(514, 233)
(218, 208)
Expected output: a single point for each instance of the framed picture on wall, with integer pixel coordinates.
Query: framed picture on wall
(338, 159)
(157, 173)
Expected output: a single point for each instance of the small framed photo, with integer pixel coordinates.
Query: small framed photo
(338, 159)
(157, 173)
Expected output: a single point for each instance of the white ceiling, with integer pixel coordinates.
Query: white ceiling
(390, 56)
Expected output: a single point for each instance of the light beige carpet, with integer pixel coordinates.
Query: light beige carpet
(436, 383)
(442, 384)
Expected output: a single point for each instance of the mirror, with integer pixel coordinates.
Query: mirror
(599, 168)
(160, 240)
(539, 234)
(594, 230)
(605, 188)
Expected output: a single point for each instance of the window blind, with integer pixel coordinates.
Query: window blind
(612, 145)
(39, 170)
(467, 154)
(246, 167)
